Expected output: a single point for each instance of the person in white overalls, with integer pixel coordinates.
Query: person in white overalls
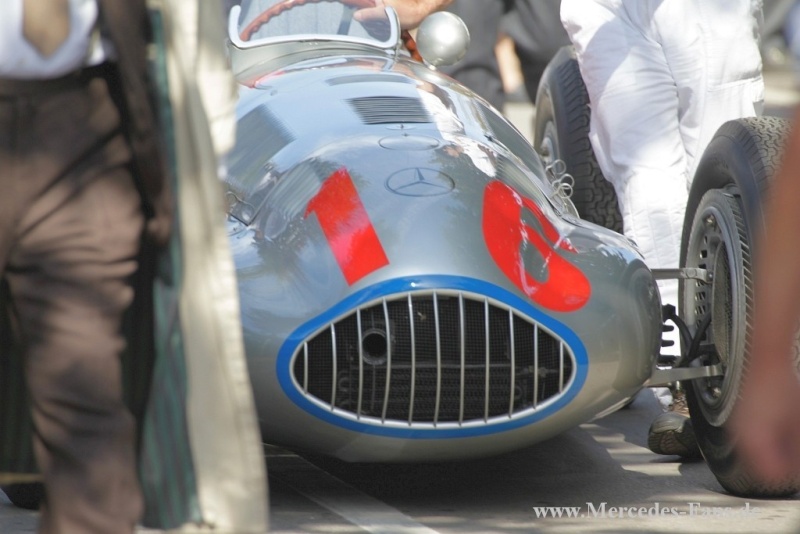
(662, 76)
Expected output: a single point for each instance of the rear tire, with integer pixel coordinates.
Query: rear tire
(561, 132)
(723, 217)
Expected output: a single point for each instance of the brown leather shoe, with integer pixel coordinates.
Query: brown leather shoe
(671, 432)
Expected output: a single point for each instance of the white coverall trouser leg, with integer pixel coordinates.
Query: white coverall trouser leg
(662, 77)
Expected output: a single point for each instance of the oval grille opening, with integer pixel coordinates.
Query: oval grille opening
(430, 358)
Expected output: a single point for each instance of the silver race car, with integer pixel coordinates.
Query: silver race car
(415, 283)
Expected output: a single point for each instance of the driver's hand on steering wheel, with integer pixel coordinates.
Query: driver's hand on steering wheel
(410, 12)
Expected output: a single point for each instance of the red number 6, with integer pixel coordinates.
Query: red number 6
(565, 288)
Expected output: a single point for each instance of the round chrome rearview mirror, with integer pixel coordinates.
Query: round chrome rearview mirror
(442, 39)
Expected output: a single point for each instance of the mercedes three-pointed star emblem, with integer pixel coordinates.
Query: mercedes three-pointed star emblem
(420, 182)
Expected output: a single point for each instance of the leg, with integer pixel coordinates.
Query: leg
(636, 135)
(535, 27)
(69, 269)
(479, 70)
(635, 128)
(712, 88)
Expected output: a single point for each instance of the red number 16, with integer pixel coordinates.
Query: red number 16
(358, 250)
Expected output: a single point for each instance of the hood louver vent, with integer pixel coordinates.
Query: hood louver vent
(389, 110)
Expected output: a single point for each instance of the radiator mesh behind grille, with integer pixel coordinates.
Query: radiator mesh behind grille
(430, 358)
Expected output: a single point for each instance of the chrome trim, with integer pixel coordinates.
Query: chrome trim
(360, 364)
(438, 359)
(463, 352)
(488, 361)
(305, 368)
(411, 397)
(388, 359)
(334, 375)
(536, 366)
(513, 364)
(313, 39)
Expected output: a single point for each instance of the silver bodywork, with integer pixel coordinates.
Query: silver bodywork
(413, 286)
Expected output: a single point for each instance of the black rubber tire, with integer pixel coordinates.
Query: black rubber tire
(745, 153)
(28, 496)
(723, 217)
(561, 132)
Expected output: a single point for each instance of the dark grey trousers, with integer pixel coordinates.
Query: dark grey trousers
(70, 231)
(534, 26)
(479, 69)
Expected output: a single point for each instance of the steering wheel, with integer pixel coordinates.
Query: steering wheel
(286, 5)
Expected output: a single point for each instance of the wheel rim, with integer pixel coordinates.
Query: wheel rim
(715, 244)
(548, 149)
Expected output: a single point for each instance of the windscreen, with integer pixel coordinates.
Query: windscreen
(279, 20)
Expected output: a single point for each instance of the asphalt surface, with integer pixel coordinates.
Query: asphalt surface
(602, 472)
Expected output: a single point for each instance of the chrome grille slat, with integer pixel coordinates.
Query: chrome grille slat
(463, 347)
(513, 353)
(487, 373)
(413, 361)
(360, 364)
(440, 358)
(536, 366)
(305, 368)
(334, 375)
(388, 360)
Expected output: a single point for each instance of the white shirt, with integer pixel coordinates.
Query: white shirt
(21, 60)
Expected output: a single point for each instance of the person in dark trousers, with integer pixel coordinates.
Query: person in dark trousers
(83, 181)
(85, 208)
(533, 25)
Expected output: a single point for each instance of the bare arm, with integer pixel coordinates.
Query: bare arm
(411, 12)
(766, 419)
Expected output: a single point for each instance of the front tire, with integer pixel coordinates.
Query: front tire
(722, 220)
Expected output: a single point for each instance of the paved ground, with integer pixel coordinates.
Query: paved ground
(602, 469)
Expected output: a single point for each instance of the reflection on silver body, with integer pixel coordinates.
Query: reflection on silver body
(413, 288)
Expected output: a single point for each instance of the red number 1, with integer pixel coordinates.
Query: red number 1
(347, 227)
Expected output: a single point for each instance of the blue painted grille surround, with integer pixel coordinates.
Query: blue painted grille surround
(397, 429)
